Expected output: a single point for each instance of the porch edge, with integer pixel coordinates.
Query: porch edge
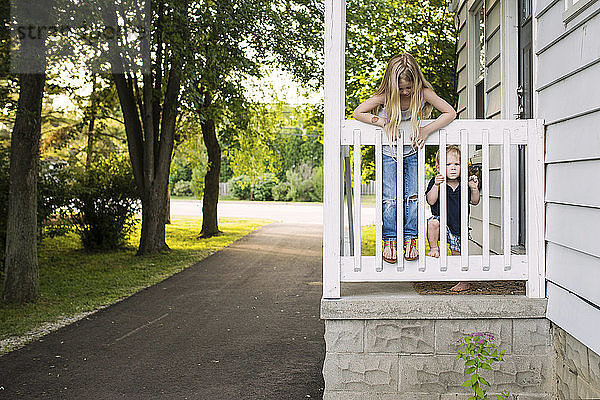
(415, 306)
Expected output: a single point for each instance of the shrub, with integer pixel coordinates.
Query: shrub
(262, 189)
(180, 171)
(105, 204)
(182, 188)
(55, 198)
(241, 187)
(306, 183)
(197, 183)
(317, 181)
(280, 191)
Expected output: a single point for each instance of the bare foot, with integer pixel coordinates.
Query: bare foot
(461, 287)
(434, 252)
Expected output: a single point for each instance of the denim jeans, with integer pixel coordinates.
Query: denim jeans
(389, 197)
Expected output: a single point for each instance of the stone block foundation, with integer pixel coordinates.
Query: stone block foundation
(401, 345)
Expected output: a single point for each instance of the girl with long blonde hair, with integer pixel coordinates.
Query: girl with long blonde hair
(404, 94)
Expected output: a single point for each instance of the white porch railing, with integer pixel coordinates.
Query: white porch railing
(355, 267)
(339, 267)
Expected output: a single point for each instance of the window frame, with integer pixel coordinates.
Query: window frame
(476, 10)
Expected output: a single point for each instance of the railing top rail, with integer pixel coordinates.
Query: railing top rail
(475, 129)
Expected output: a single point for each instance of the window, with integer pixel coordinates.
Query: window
(480, 59)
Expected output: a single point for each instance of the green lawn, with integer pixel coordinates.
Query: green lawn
(73, 281)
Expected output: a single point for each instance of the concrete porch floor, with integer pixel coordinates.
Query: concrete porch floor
(399, 300)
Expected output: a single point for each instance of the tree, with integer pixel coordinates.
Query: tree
(230, 41)
(150, 108)
(21, 283)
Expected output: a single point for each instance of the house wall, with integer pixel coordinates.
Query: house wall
(493, 107)
(567, 88)
(577, 367)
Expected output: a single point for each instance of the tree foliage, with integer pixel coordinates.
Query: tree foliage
(379, 29)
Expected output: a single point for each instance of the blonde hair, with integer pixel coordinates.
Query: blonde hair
(404, 67)
(449, 149)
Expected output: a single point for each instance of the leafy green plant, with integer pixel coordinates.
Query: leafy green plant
(182, 188)
(105, 203)
(262, 189)
(479, 353)
(280, 191)
(258, 188)
(239, 186)
(55, 198)
(306, 183)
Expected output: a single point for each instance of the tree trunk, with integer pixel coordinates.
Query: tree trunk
(154, 207)
(21, 281)
(211, 180)
(168, 213)
(91, 136)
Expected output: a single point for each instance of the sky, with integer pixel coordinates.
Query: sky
(274, 85)
(277, 83)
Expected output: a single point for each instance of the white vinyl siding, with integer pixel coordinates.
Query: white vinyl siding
(563, 140)
(567, 85)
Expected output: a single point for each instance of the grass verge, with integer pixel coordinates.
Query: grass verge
(75, 282)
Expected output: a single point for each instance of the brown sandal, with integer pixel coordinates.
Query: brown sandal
(392, 245)
(409, 244)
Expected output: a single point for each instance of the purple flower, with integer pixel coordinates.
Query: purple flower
(481, 340)
(476, 334)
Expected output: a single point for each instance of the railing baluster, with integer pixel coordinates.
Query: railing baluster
(443, 204)
(464, 200)
(357, 206)
(421, 214)
(349, 204)
(400, 201)
(378, 201)
(506, 197)
(485, 188)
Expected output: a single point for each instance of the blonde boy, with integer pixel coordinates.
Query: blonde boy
(453, 196)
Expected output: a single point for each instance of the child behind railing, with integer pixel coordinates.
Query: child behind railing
(404, 94)
(453, 196)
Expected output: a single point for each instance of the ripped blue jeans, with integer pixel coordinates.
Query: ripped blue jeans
(410, 197)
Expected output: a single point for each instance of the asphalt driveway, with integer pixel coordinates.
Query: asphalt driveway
(241, 324)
